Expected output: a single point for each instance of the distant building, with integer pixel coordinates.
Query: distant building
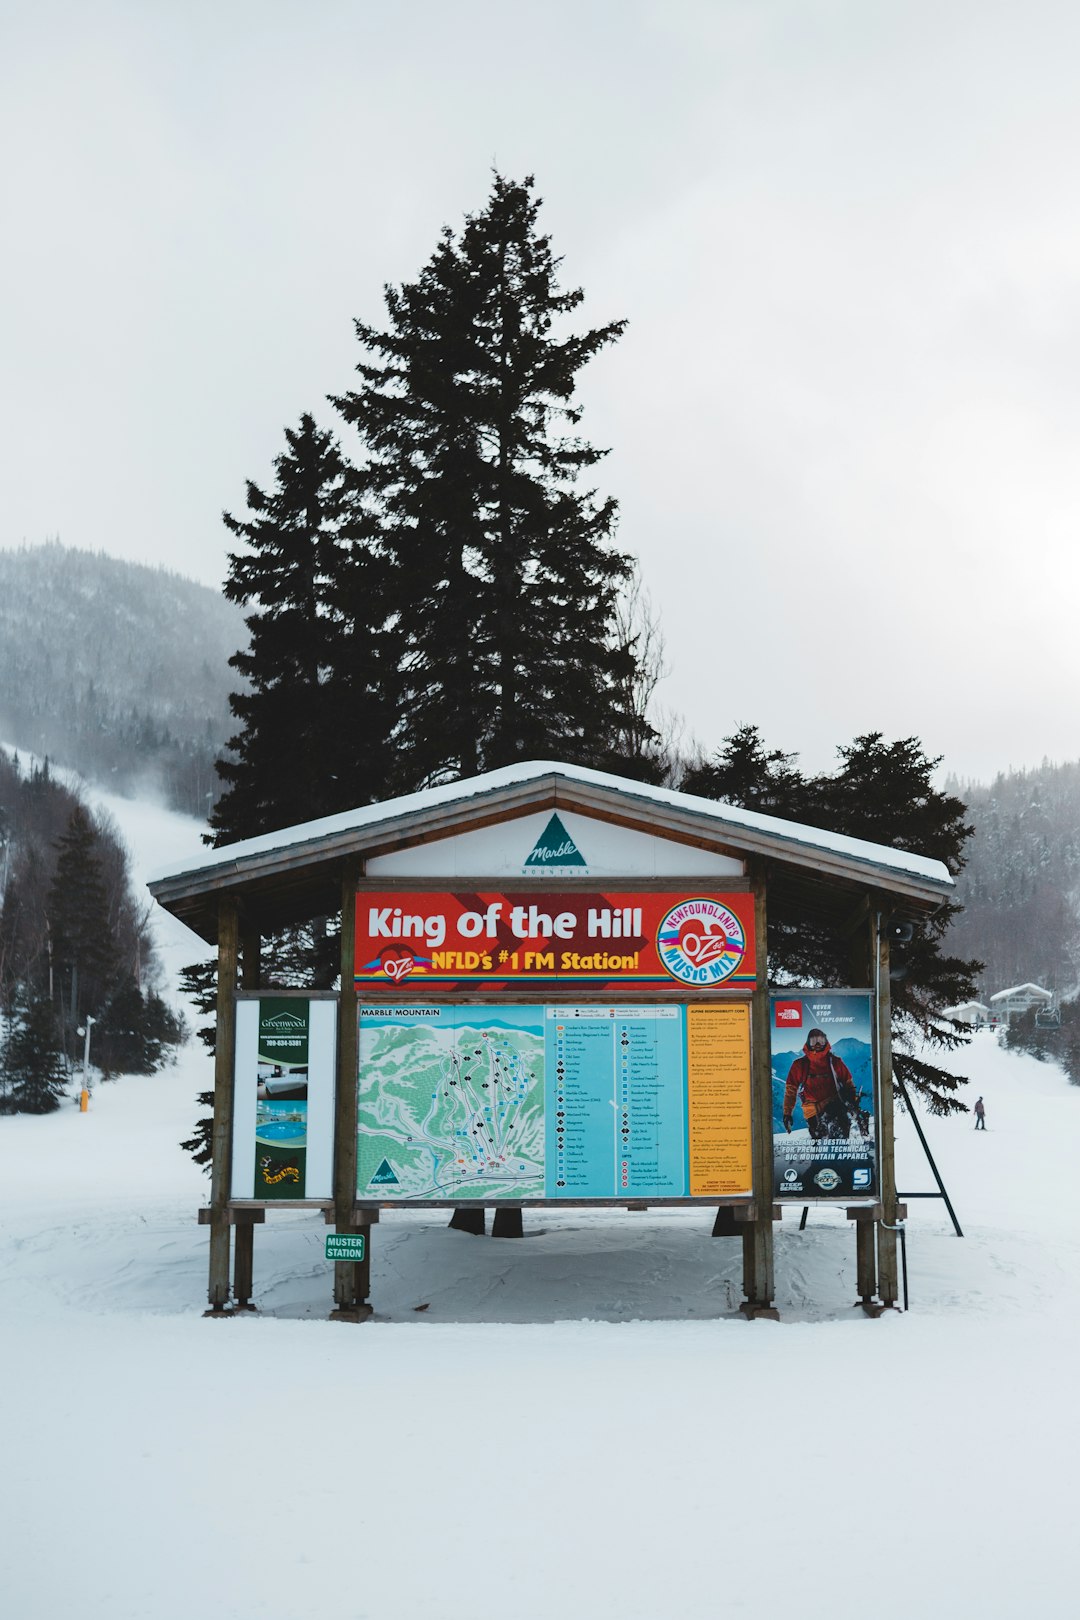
(1020, 998)
(969, 1012)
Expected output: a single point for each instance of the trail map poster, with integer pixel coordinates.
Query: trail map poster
(824, 1128)
(553, 1102)
(416, 942)
(284, 1107)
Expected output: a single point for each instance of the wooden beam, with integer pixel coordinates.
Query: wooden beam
(758, 1283)
(507, 1223)
(357, 1217)
(250, 955)
(244, 1265)
(222, 1132)
(351, 1278)
(856, 919)
(866, 1266)
(358, 1310)
(888, 1283)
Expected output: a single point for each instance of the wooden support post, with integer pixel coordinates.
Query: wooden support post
(507, 1223)
(221, 1139)
(866, 1218)
(250, 955)
(866, 1260)
(243, 1264)
(352, 1279)
(359, 1310)
(244, 1235)
(471, 1220)
(758, 1234)
(888, 1282)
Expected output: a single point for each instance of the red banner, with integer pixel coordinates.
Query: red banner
(411, 941)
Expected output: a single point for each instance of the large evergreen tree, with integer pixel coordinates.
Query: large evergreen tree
(504, 579)
(882, 792)
(83, 940)
(34, 1068)
(319, 705)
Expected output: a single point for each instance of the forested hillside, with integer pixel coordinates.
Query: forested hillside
(75, 946)
(118, 670)
(1021, 887)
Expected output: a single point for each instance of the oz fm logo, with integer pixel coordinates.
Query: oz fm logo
(701, 942)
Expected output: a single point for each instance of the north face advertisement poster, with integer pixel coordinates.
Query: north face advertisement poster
(824, 1140)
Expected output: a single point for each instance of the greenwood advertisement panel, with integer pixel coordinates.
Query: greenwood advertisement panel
(285, 1083)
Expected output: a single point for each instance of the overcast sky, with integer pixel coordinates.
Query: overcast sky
(844, 417)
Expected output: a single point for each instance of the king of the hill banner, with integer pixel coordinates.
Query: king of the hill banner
(501, 941)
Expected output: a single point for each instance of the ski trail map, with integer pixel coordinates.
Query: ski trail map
(451, 1102)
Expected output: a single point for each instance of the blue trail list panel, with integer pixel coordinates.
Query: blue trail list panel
(549, 1102)
(616, 1117)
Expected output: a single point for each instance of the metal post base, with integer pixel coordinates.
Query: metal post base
(872, 1307)
(220, 1313)
(755, 1313)
(468, 1220)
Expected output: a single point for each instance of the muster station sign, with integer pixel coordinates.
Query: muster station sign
(671, 941)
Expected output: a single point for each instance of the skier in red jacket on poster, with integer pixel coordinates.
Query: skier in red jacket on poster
(822, 1082)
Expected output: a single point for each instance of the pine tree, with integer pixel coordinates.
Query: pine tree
(134, 1031)
(83, 940)
(882, 792)
(318, 709)
(752, 776)
(504, 583)
(35, 1069)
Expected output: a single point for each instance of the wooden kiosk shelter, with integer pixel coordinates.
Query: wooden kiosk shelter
(577, 913)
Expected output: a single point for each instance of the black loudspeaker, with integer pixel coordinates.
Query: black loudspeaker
(901, 933)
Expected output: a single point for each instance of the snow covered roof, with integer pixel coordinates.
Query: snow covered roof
(1035, 990)
(440, 811)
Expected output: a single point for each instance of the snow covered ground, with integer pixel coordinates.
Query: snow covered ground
(573, 1425)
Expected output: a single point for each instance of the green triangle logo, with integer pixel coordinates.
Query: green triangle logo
(383, 1176)
(555, 847)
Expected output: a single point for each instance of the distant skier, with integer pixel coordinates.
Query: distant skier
(980, 1115)
(822, 1083)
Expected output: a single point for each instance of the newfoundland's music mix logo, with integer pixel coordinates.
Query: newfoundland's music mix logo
(701, 942)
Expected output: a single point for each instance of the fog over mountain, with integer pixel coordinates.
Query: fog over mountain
(1021, 887)
(117, 670)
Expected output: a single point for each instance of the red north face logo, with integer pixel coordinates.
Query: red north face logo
(788, 1013)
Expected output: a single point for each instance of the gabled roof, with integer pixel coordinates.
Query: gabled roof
(1021, 989)
(297, 872)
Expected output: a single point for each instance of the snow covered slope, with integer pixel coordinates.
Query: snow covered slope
(575, 1425)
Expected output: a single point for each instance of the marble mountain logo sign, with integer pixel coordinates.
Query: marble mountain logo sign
(555, 853)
